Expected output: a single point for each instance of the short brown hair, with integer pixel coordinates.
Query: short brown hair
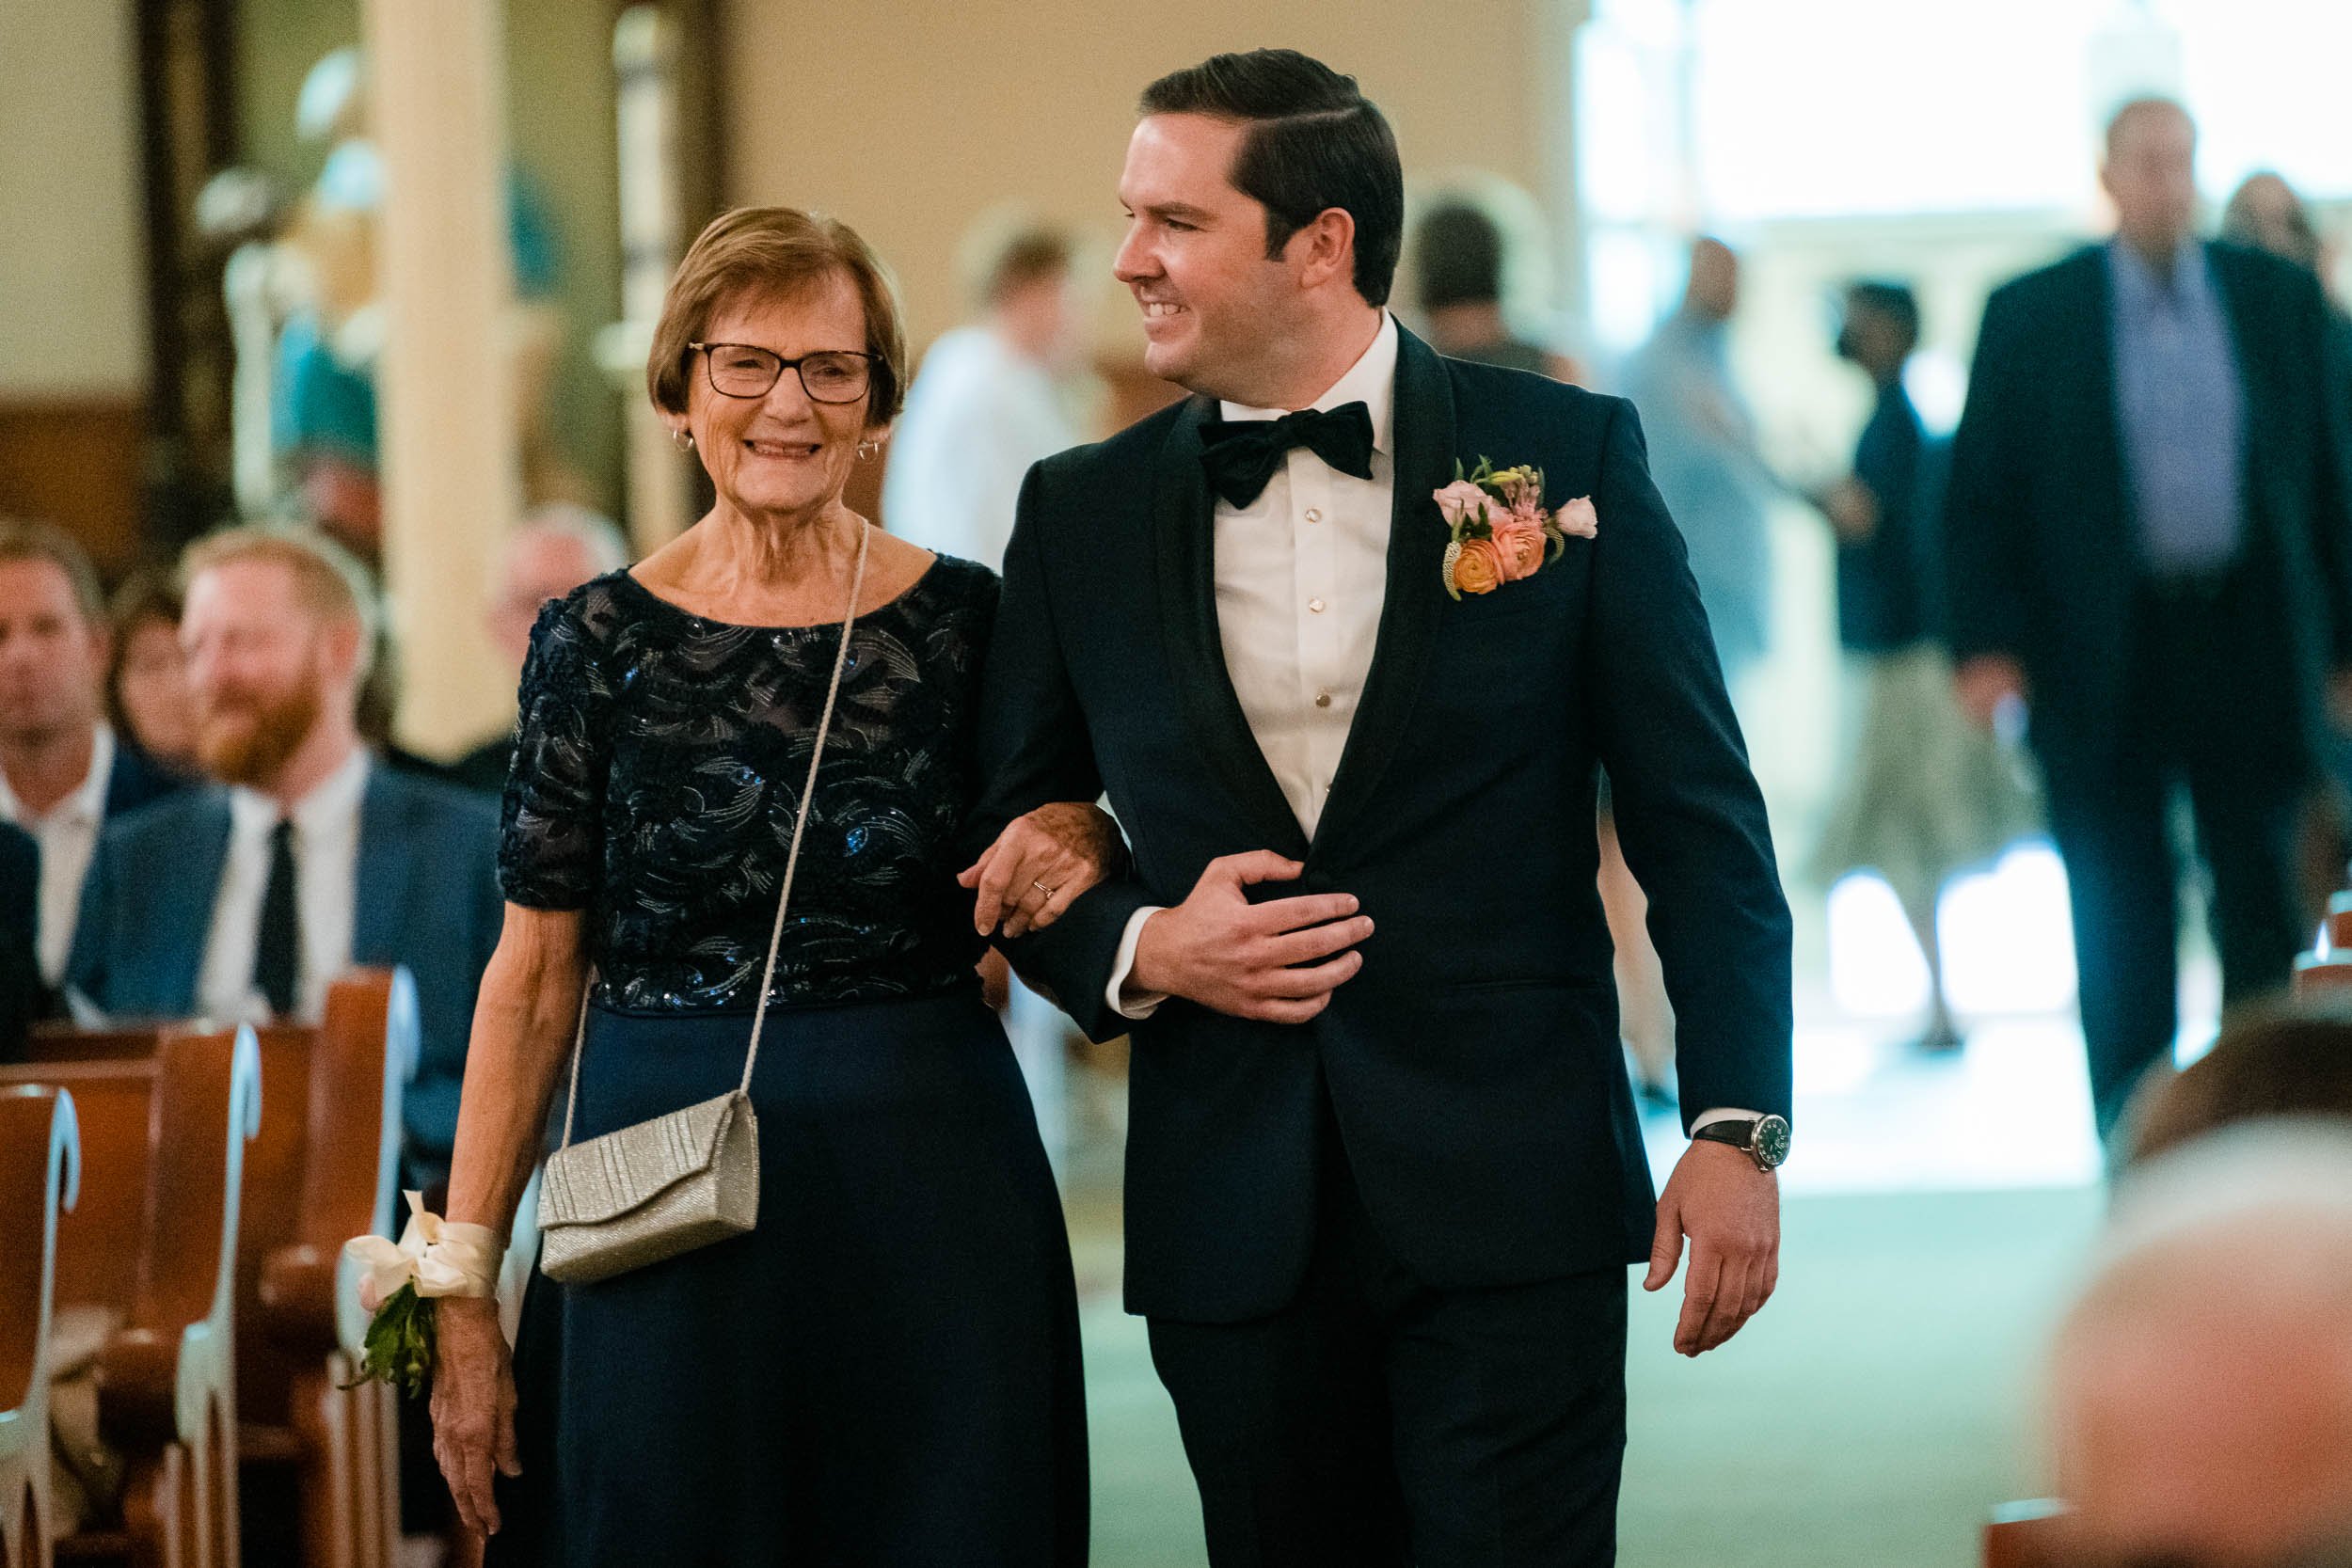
(769, 251)
(26, 541)
(328, 578)
(2277, 1059)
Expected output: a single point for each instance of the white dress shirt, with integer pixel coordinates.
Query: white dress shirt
(1301, 575)
(67, 837)
(327, 876)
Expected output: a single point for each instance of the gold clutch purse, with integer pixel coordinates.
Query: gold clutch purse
(654, 1189)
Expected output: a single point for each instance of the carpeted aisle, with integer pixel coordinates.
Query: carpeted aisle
(1867, 1419)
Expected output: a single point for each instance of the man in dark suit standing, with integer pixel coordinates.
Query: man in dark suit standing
(247, 900)
(1383, 1169)
(64, 771)
(2147, 541)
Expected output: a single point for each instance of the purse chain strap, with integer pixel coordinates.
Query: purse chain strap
(792, 862)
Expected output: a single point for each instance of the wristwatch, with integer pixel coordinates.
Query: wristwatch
(1763, 1139)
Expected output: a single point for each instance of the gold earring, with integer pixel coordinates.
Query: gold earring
(682, 439)
(867, 449)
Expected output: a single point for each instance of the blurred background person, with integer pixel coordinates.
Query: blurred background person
(1457, 251)
(246, 899)
(2199, 1400)
(1925, 795)
(147, 682)
(2266, 213)
(990, 398)
(2276, 1060)
(554, 551)
(63, 772)
(1704, 456)
(2170, 609)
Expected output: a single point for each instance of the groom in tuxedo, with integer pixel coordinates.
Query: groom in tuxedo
(1383, 1169)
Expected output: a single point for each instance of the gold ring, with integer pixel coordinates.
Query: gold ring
(1041, 888)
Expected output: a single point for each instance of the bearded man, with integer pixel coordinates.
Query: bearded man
(243, 901)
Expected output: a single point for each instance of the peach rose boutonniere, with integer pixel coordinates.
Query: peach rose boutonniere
(1501, 530)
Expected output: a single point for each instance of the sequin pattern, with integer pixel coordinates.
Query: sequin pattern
(659, 766)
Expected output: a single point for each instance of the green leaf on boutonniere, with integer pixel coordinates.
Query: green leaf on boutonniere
(398, 1346)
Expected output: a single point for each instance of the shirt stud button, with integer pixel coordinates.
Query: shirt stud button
(1315, 604)
(1315, 514)
(1323, 699)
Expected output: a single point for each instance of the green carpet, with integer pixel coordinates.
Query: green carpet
(1868, 1418)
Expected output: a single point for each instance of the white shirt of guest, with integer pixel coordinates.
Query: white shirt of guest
(1301, 575)
(68, 836)
(326, 875)
(978, 414)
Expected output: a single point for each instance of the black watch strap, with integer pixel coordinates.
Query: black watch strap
(1739, 1132)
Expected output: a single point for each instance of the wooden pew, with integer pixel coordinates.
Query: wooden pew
(152, 1243)
(40, 1171)
(327, 1158)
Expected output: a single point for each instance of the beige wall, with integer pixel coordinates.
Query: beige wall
(73, 280)
(906, 118)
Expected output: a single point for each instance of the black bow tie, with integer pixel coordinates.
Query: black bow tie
(1242, 454)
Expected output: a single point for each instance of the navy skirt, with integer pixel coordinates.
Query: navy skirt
(885, 1372)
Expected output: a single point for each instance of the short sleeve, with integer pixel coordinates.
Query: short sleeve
(551, 829)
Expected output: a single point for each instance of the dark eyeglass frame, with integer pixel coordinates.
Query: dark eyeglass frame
(710, 372)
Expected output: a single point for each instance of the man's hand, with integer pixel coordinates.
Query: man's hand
(1731, 1213)
(1218, 949)
(1852, 510)
(1984, 683)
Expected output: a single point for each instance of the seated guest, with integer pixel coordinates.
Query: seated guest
(2281, 1060)
(21, 993)
(2200, 1391)
(63, 770)
(244, 901)
(557, 548)
(147, 685)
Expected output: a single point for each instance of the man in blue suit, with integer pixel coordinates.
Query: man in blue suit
(1384, 1174)
(64, 771)
(247, 900)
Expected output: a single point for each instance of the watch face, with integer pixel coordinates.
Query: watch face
(1771, 1141)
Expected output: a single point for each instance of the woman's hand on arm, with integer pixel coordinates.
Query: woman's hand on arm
(1040, 865)
(522, 1034)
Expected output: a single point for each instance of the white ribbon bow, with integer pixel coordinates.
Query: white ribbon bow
(440, 1258)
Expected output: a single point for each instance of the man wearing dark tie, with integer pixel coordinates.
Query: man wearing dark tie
(247, 901)
(2147, 541)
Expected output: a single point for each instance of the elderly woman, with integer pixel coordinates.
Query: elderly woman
(885, 1369)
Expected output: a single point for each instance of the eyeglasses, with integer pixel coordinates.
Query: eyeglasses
(743, 371)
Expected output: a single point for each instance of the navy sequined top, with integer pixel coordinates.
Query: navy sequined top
(659, 766)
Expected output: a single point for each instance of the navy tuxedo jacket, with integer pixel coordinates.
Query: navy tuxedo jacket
(1473, 1064)
(2041, 557)
(427, 897)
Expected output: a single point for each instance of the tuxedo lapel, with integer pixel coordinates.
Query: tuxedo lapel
(1184, 534)
(1422, 433)
(380, 894)
(2103, 428)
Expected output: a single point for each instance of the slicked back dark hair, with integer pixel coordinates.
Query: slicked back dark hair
(1313, 142)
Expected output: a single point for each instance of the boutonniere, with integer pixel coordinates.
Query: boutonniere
(1502, 532)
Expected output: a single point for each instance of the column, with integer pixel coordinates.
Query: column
(446, 419)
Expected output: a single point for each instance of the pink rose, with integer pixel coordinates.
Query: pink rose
(1481, 567)
(1521, 543)
(1578, 518)
(1461, 501)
